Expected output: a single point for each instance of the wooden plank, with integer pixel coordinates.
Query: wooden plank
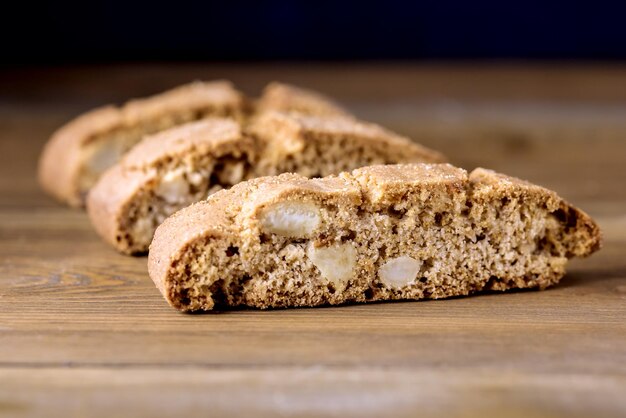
(306, 392)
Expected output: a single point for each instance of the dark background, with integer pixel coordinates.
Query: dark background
(59, 33)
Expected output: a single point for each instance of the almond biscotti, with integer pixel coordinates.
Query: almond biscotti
(163, 173)
(79, 152)
(393, 232)
(175, 168)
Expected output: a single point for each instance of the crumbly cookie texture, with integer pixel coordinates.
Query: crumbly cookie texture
(79, 152)
(317, 146)
(183, 165)
(287, 98)
(164, 173)
(413, 231)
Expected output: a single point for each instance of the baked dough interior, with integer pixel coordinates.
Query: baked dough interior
(418, 231)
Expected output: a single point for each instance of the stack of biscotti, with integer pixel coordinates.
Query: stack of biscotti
(210, 137)
(171, 170)
(360, 214)
(79, 152)
(82, 150)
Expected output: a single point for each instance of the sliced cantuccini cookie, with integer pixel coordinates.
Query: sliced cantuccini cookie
(379, 233)
(183, 165)
(166, 172)
(79, 152)
(288, 98)
(318, 146)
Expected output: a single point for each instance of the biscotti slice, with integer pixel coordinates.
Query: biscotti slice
(287, 98)
(164, 173)
(417, 231)
(79, 152)
(318, 146)
(178, 167)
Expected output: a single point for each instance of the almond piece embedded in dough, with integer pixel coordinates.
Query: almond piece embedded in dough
(399, 271)
(336, 262)
(291, 219)
(173, 187)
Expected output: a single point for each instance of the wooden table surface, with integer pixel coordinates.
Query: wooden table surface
(84, 332)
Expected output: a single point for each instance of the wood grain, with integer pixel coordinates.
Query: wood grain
(84, 332)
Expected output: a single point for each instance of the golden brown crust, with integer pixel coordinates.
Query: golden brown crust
(210, 133)
(386, 184)
(213, 225)
(107, 201)
(287, 98)
(63, 156)
(295, 130)
(231, 218)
